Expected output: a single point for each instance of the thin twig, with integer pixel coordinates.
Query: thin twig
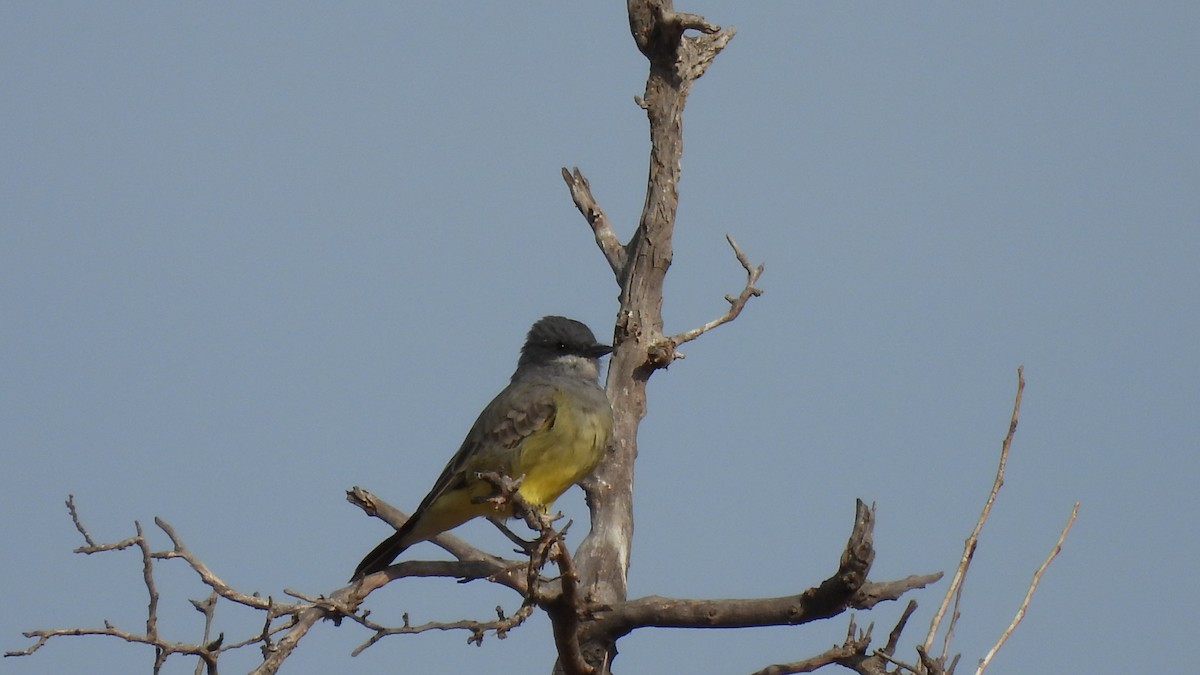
(835, 654)
(894, 637)
(207, 577)
(955, 615)
(78, 523)
(209, 649)
(44, 636)
(1037, 577)
(973, 540)
(900, 665)
(854, 646)
(735, 304)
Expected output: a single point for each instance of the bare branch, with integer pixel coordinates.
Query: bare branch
(160, 655)
(878, 662)
(735, 304)
(874, 592)
(207, 607)
(207, 650)
(207, 577)
(606, 239)
(836, 654)
(1037, 577)
(78, 523)
(564, 615)
(91, 546)
(459, 548)
(275, 653)
(973, 540)
(675, 61)
(839, 592)
(535, 589)
(44, 636)
(501, 569)
(661, 612)
(852, 653)
(588, 606)
(563, 608)
(894, 637)
(477, 628)
(335, 606)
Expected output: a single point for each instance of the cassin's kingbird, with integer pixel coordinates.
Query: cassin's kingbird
(549, 426)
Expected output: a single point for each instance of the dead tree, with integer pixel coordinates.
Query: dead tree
(587, 600)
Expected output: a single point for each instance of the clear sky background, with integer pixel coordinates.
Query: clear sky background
(252, 255)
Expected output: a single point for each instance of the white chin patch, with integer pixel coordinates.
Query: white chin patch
(582, 365)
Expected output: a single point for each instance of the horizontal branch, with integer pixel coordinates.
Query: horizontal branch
(478, 629)
(874, 592)
(494, 569)
(373, 505)
(845, 589)
(472, 563)
(855, 646)
(853, 652)
(661, 612)
(109, 630)
(835, 654)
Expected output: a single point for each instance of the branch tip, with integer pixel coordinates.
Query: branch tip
(585, 202)
(1037, 577)
(736, 303)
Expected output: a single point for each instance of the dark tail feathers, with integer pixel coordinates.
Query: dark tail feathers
(382, 555)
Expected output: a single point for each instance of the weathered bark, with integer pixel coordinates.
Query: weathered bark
(641, 347)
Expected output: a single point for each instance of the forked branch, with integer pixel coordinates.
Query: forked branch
(847, 588)
(736, 304)
(208, 649)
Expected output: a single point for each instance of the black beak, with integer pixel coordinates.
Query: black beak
(598, 350)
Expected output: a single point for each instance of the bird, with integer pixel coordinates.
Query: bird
(549, 428)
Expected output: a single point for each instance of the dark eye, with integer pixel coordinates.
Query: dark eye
(561, 346)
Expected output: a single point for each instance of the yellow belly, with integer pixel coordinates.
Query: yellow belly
(557, 457)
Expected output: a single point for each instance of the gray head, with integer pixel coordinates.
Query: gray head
(562, 342)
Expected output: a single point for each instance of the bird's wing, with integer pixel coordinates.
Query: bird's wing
(515, 414)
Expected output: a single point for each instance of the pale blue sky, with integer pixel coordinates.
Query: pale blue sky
(253, 255)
